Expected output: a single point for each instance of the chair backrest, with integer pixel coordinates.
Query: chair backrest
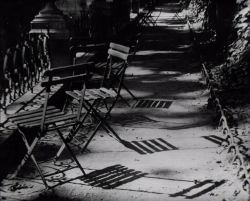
(116, 66)
(68, 74)
(118, 47)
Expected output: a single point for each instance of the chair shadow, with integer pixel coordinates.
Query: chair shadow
(149, 146)
(112, 177)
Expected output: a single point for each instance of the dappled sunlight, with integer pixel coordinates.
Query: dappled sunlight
(136, 70)
(188, 77)
(189, 95)
(185, 46)
(170, 73)
(151, 52)
(165, 15)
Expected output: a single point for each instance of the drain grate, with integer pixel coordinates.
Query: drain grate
(150, 146)
(113, 176)
(152, 104)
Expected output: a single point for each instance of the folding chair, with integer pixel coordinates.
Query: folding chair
(107, 95)
(100, 67)
(146, 16)
(49, 118)
(86, 52)
(177, 13)
(122, 49)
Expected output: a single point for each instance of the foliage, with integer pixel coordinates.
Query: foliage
(234, 73)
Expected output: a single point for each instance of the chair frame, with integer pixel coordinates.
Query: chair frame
(92, 107)
(43, 127)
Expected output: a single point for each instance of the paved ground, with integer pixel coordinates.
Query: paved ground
(178, 155)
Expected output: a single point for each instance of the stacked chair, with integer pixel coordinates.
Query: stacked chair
(36, 124)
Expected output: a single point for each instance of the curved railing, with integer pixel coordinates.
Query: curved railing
(232, 141)
(22, 68)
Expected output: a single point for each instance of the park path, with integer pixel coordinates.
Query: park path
(175, 153)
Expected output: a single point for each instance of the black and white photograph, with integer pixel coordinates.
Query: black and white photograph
(124, 100)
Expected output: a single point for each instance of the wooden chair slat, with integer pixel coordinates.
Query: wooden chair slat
(51, 120)
(31, 112)
(119, 47)
(36, 118)
(117, 54)
(67, 125)
(63, 80)
(33, 115)
(71, 68)
(111, 92)
(98, 93)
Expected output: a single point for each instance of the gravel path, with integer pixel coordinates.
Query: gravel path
(174, 149)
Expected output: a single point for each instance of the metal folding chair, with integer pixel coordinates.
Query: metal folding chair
(178, 12)
(34, 125)
(107, 95)
(124, 50)
(100, 67)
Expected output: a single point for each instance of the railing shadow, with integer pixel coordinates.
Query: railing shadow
(210, 185)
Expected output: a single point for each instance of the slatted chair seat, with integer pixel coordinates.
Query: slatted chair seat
(100, 67)
(49, 118)
(94, 94)
(110, 90)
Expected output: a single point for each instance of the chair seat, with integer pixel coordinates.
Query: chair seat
(33, 118)
(93, 94)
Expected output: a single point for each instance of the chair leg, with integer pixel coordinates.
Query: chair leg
(74, 131)
(120, 96)
(91, 137)
(131, 94)
(71, 135)
(71, 152)
(28, 155)
(104, 122)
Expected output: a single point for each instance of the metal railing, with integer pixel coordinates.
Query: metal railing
(232, 141)
(22, 68)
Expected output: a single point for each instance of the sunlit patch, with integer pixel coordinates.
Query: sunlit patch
(190, 77)
(184, 46)
(151, 81)
(188, 95)
(135, 71)
(170, 73)
(166, 15)
(152, 52)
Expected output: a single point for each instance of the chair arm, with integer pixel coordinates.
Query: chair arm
(48, 83)
(67, 69)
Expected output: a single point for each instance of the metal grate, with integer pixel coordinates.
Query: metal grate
(113, 176)
(150, 146)
(152, 104)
